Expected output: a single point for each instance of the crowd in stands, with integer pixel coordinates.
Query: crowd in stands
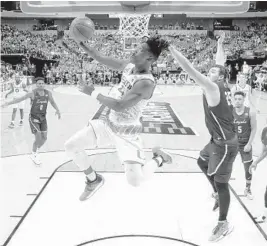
(199, 48)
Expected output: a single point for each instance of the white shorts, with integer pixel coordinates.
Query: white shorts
(20, 105)
(98, 135)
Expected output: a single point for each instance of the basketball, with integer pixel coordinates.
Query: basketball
(82, 29)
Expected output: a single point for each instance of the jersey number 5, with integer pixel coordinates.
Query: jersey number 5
(41, 107)
(239, 129)
(228, 97)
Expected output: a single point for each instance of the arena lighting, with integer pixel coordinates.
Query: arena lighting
(158, 16)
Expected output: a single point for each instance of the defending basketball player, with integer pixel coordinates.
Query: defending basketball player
(18, 88)
(37, 118)
(122, 126)
(217, 157)
(263, 154)
(246, 127)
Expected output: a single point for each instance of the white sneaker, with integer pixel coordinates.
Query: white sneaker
(248, 194)
(35, 158)
(261, 219)
(220, 231)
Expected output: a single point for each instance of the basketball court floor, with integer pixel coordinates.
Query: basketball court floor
(40, 205)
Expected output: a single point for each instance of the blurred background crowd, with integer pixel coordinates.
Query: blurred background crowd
(33, 51)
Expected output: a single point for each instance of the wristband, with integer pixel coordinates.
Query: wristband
(95, 94)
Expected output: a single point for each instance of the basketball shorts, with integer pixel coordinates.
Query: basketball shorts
(246, 157)
(99, 135)
(220, 159)
(38, 123)
(20, 105)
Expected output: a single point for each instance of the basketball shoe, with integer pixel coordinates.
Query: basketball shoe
(21, 123)
(11, 125)
(222, 229)
(35, 158)
(91, 187)
(166, 157)
(248, 194)
(261, 219)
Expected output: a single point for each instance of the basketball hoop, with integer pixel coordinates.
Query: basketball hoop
(134, 25)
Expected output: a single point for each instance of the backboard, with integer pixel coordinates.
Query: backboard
(78, 8)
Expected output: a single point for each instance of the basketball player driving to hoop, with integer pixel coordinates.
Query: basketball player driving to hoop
(217, 157)
(122, 125)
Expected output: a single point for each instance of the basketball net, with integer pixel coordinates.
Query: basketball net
(134, 25)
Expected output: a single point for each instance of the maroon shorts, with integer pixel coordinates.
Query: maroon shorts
(38, 123)
(220, 159)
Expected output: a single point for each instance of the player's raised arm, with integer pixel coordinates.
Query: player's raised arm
(220, 55)
(106, 60)
(19, 99)
(187, 66)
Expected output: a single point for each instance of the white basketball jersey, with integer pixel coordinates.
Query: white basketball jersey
(18, 89)
(130, 116)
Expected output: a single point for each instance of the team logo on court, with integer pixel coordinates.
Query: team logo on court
(158, 118)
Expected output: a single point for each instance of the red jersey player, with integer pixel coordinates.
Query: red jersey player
(217, 157)
(39, 101)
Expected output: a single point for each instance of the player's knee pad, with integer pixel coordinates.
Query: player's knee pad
(133, 180)
(221, 187)
(133, 175)
(70, 146)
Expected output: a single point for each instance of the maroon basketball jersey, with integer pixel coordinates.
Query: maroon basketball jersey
(242, 125)
(219, 119)
(39, 103)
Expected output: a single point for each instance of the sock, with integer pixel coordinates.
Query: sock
(204, 168)
(13, 122)
(90, 174)
(224, 200)
(248, 175)
(248, 184)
